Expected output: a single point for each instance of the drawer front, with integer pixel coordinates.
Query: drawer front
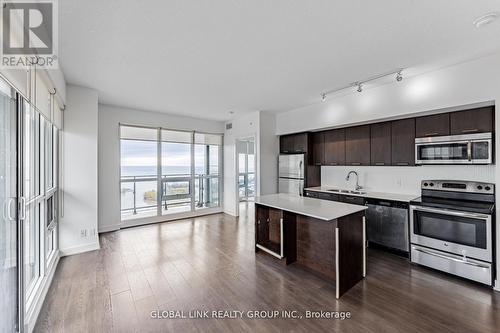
(328, 196)
(353, 200)
(312, 194)
(474, 270)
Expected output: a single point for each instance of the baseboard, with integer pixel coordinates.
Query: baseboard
(228, 212)
(109, 228)
(80, 249)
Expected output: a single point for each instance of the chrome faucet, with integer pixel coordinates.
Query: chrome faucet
(357, 188)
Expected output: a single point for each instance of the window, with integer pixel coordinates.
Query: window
(176, 171)
(207, 176)
(139, 172)
(188, 178)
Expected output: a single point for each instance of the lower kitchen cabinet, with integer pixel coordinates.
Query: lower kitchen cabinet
(268, 226)
(352, 200)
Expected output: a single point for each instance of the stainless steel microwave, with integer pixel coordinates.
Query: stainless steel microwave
(455, 149)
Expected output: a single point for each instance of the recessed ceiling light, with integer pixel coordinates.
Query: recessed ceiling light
(231, 112)
(485, 19)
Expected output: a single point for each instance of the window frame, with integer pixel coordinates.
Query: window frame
(160, 177)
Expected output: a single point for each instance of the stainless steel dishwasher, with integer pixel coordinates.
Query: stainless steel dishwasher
(387, 224)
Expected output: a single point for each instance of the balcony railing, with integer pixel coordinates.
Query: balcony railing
(139, 193)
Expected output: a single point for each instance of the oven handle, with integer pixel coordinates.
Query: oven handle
(451, 212)
(442, 256)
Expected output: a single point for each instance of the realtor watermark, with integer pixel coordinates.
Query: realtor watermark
(250, 314)
(29, 33)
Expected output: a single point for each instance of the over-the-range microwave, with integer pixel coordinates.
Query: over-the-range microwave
(455, 149)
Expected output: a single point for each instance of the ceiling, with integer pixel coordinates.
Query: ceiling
(206, 58)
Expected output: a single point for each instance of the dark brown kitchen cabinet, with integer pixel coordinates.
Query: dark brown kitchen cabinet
(300, 143)
(268, 228)
(352, 200)
(380, 142)
(472, 121)
(286, 144)
(357, 145)
(294, 143)
(434, 125)
(335, 147)
(318, 148)
(403, 142)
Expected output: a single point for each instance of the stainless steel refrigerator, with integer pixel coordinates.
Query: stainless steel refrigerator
(291, 174)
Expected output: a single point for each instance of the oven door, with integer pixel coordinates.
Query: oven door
(462, 233)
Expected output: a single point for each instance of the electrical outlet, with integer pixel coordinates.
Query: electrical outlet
(83, 233)
(92, 232)
(399, 182)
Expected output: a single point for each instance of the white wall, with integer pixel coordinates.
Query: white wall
(405, 180)
(109, 151)
(269, 150)
(471, 82)
(79, 172)
(467, 83)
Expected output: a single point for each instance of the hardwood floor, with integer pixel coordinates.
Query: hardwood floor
(209, 263)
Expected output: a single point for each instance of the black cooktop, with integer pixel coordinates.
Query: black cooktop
(452, 204)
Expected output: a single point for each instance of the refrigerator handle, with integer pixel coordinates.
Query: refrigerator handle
(301, 176)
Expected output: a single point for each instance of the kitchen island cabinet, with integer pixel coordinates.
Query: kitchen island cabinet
(326, 237)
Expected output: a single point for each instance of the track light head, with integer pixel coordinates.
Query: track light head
(360, 87)
(399, 77)
(323, 97)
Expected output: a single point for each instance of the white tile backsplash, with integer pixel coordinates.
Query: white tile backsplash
(403, 179)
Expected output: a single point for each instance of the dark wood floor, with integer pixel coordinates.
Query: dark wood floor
(209, 263)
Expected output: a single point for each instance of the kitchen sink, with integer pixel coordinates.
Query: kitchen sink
(346, 191)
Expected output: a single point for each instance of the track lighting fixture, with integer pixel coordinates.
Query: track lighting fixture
(399, 77)
(359, 84)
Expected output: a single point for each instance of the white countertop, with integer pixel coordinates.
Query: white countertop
(319, 209)
(369, 194)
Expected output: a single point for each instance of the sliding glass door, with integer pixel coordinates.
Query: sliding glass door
(9, 270)
(168, 172)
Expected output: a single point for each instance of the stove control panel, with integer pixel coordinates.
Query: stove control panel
(458, 186)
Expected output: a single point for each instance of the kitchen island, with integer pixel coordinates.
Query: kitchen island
(324, 236)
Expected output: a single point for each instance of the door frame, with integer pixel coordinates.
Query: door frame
(251, 137)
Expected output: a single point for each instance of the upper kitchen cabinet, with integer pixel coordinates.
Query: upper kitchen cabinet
(403, 142)
(335, 147)
(434, 125)
(318, 148)
(472, 121)
(294, 143)
(357, 145)
(300, 143)
(380, 142)
(286, 144)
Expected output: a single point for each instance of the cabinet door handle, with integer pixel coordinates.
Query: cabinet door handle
(355, 163)
(333, 163)
(431, 134)
(258, 221)
(379, 163)
(471, 130)
(402, 163)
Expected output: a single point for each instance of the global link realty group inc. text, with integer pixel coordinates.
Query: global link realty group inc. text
(250, 314)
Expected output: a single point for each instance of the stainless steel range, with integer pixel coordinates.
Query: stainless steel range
(451, 228)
